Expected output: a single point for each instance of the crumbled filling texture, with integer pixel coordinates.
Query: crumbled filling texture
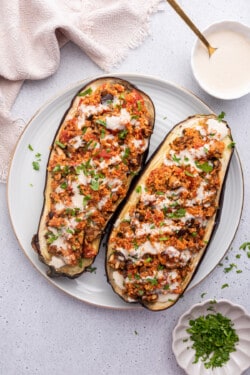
(95, 155)
(153, 246)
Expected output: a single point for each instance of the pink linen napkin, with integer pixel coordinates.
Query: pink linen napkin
(32, 32)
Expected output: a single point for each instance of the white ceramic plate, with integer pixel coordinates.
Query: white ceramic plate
(239, 360)
(173, 104)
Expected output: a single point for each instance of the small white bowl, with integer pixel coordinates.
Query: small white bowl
(239, 360)
(226, 74)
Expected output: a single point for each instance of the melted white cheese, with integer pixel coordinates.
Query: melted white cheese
(102, 202)
(56, 262)
(60, 206)
(82, 179)
(219, 128)
(118, 122)
(76, 142)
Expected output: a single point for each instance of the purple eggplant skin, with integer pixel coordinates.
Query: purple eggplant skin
(216, 219)
(74, 272)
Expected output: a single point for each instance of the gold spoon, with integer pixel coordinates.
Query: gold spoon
(192, 26)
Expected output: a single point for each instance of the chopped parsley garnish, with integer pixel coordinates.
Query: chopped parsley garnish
(203, 294)
(126, 154)
(245, 245)
(91, 269)
(181, 212)
(70, 231)
(214, 338)
(86, 92)
(94, 185)
(231, 266)
(221, 116)
(152, 281)
(122, 134)
(231, 145)
(159, 193)
(164, 238)
(36, 165)
(86, 200)
(224, 286)
(177, 160)
(64, 185)
(103, 133)
(30, 148)
(60, 144)
(101, 122)
(72, 211)
(166, 287)
(51, 237)
(187, 173)
(205, 167)
(135, 244)
(139, 105)
(57, 168)
(134, 117)
(138, 189)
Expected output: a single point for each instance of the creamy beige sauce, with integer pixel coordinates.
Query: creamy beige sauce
(226, 73)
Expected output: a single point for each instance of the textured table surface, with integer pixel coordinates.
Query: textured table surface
(45, 331)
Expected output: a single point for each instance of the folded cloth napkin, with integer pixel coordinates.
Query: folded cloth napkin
(32, 32)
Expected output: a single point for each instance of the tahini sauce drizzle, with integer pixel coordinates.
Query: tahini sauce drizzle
(226, 73)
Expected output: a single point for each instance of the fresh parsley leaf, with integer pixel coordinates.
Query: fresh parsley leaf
(122, 134)
(101, 122)
(60, 144)
(231, 145)
(86, 92)
(138, 189)
(36, 165)
(245, 245)
(221, 116)
(205, 167)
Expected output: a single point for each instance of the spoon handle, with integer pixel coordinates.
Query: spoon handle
(188, 21)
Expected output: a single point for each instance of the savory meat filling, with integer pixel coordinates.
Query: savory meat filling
(94, 157)
(154, 244)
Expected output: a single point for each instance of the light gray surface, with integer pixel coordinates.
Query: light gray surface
(43, 330)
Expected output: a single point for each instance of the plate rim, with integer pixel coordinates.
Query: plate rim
(56, 96)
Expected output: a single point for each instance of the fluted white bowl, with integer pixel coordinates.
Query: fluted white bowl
(239, 360)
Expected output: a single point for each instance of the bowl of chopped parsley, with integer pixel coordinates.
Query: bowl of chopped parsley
(213, 337)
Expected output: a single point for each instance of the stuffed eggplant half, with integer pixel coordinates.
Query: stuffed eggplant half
(101, 144)
(163, 230)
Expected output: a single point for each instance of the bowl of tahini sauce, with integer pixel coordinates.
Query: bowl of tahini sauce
(226, 74)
